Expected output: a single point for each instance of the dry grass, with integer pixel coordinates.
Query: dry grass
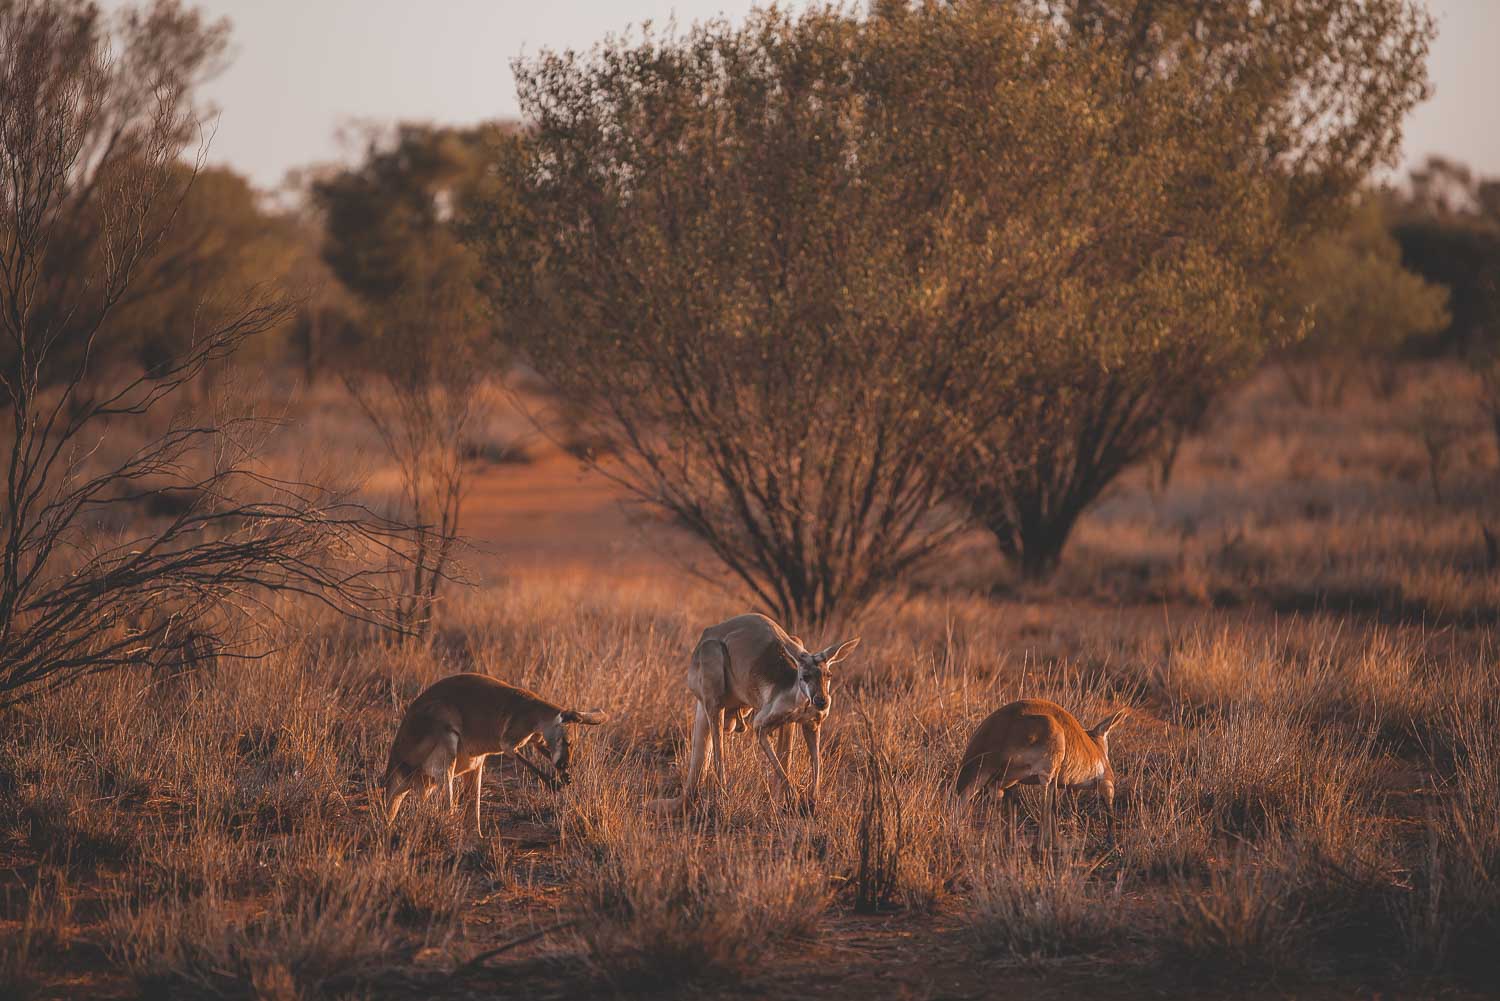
(1299, 509)
(1302, 799)
(1032, 908)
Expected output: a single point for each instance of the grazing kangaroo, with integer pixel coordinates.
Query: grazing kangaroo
(1036, 742)
(749, 663)
(455, 723)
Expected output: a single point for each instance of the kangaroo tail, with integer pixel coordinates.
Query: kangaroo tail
(967, 774)
(724, 664)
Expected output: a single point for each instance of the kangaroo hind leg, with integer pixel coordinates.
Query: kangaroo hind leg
(716, 721)
(698, 760)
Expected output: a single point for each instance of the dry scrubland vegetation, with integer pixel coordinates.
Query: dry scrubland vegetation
(1305, 799)
(1301, 508)
(848, 334)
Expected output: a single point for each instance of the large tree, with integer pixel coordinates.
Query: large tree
(797, 266)
(1254, 122)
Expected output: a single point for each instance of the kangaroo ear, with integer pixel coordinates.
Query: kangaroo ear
(832, 655)
(1109, 722)
(587, 719)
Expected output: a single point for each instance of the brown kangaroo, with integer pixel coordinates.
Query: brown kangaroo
(455, 723)
(749, 664)
(1036, 742)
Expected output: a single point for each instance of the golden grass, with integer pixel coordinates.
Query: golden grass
(1303, 798)
(219, 834)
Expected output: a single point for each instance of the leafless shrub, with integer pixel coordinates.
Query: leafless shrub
(75, 596)
(1438, 435)
(422, 414)
(424, 345)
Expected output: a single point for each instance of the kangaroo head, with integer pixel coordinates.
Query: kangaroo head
(555, 737)
(1100, 732)
(813, 670)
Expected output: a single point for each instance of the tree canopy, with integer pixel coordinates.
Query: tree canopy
(136, 72)
(820, 273)
(806, 267)
(1253, 124)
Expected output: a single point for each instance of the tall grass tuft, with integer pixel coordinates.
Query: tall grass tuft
(1248, 919)
(1037, 908)
(665, 909)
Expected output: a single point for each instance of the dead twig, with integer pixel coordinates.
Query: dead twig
(479, 960)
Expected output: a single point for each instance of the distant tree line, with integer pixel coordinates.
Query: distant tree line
(1448, 228)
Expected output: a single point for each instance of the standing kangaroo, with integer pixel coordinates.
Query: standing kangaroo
(455, 723)
(1036, 742)
(751, 663)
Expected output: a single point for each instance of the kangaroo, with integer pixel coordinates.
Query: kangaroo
(1036, 742)
(455, 723)
(750, 665)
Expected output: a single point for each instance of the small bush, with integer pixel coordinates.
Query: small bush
(1247, 920)
(1032, 911)
(665, 912)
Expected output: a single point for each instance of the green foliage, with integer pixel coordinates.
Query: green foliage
(1236, 130)
(1356, 295)
(423, 343)
(390, 241)
(384, 215)
(220, 245)
(783, 262)
(1449, 232)
(1359, 304)
(818, 272)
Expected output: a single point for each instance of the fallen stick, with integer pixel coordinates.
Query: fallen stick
(478, 960)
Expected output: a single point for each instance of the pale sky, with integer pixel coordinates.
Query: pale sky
(304, 68)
